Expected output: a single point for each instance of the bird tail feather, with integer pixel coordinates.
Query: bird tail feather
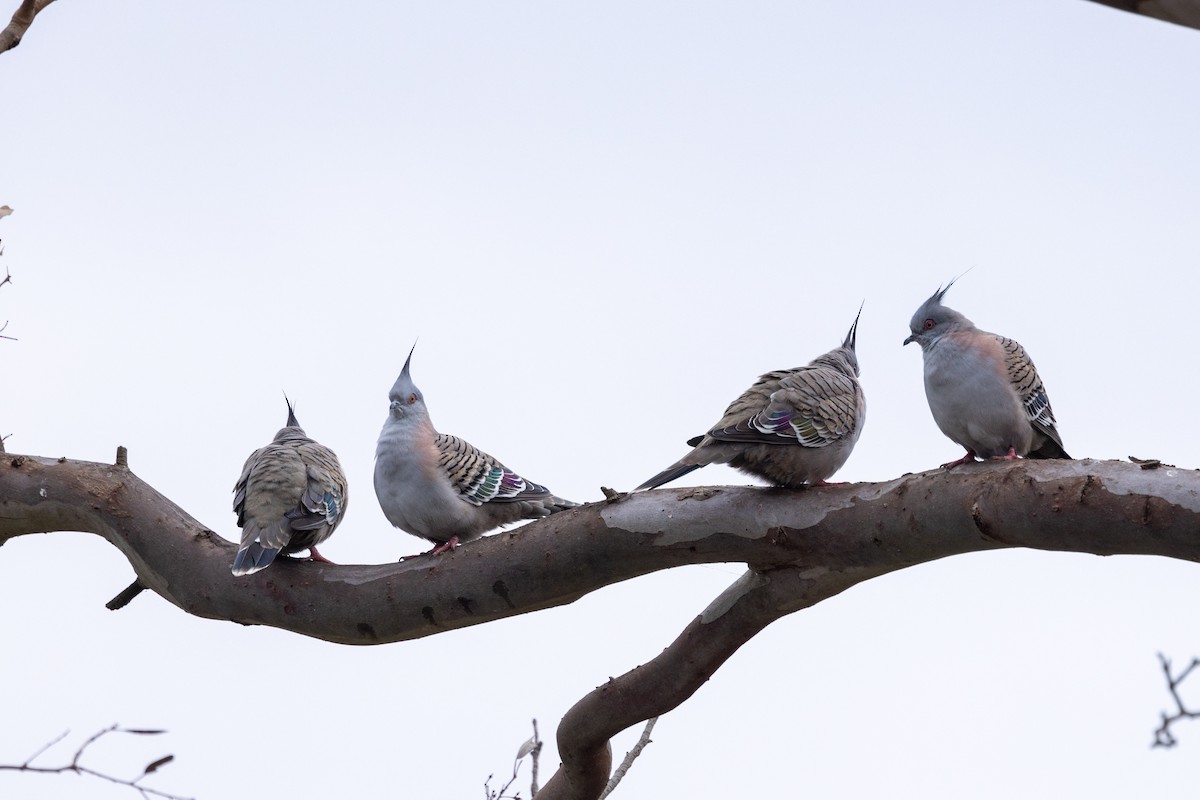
(252, 558)
(1049, 449)
(676, 470)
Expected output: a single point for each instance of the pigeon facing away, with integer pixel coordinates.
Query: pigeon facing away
(982, 388)
(290, 497)
(442, 488)
(793, 427)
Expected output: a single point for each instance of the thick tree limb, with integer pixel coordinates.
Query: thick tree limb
(12, 34)
(860, 530)
(801, 546)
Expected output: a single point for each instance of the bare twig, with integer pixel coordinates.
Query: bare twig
(11, 36)
(128, 593)
(537, 751)
(531, 747)
(7, 279)
(630, 757)
(79, 769)
(45, 747)
(1163, 736)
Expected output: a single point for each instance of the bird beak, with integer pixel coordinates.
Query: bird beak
(911, 339)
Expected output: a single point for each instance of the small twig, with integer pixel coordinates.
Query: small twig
(531, 746)
(630, 757)
(1163, 736)
(46, 747)
(7, 279)
(128, 593)
(537, 751)
(80, 769)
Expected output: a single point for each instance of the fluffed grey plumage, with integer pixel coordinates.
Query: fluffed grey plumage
(290, 497)
(983, 390)
(793, 427)
(441, 487)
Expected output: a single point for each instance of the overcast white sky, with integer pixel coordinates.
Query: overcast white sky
(603, 221)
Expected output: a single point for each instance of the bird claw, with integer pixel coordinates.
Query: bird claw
(313, 555)
(449, 544)
(969, 458)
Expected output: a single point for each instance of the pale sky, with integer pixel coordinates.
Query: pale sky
(603, 221)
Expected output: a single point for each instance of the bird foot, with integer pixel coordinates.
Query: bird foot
(449, 544)
(313, 555)
(969, 458)
(1011, 455)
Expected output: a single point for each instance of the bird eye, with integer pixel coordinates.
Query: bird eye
(929, 324)
(412, 398)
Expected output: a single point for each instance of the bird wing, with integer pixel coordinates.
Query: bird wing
(812, 406)
(480, 478)
(324, 499)
(1028, 386)
(270, 486)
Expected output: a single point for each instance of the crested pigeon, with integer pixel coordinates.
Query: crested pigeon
(792, 428)
(983, 390)
(442, 488)
(290, 497)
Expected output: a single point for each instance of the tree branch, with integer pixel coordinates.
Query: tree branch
(12, 34)
(1163, 737)
(1180, 12)
(627, 762)
(79, 769)
(801, 546)
(858, 530)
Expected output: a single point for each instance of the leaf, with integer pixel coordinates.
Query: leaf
(154, 765)
(527, 748)
(5, 211)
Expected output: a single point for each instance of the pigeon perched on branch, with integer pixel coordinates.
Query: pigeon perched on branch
(792, 428)
(443, 488)
(983, 390)
(290, 497)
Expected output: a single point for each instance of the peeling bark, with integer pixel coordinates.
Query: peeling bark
(801, 547)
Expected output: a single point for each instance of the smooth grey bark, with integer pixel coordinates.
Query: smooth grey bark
(801, 547)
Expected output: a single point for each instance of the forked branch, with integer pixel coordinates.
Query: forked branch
(77, 767)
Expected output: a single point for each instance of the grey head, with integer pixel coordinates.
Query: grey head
(844, 358)
(933, 320)
(407, 402)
